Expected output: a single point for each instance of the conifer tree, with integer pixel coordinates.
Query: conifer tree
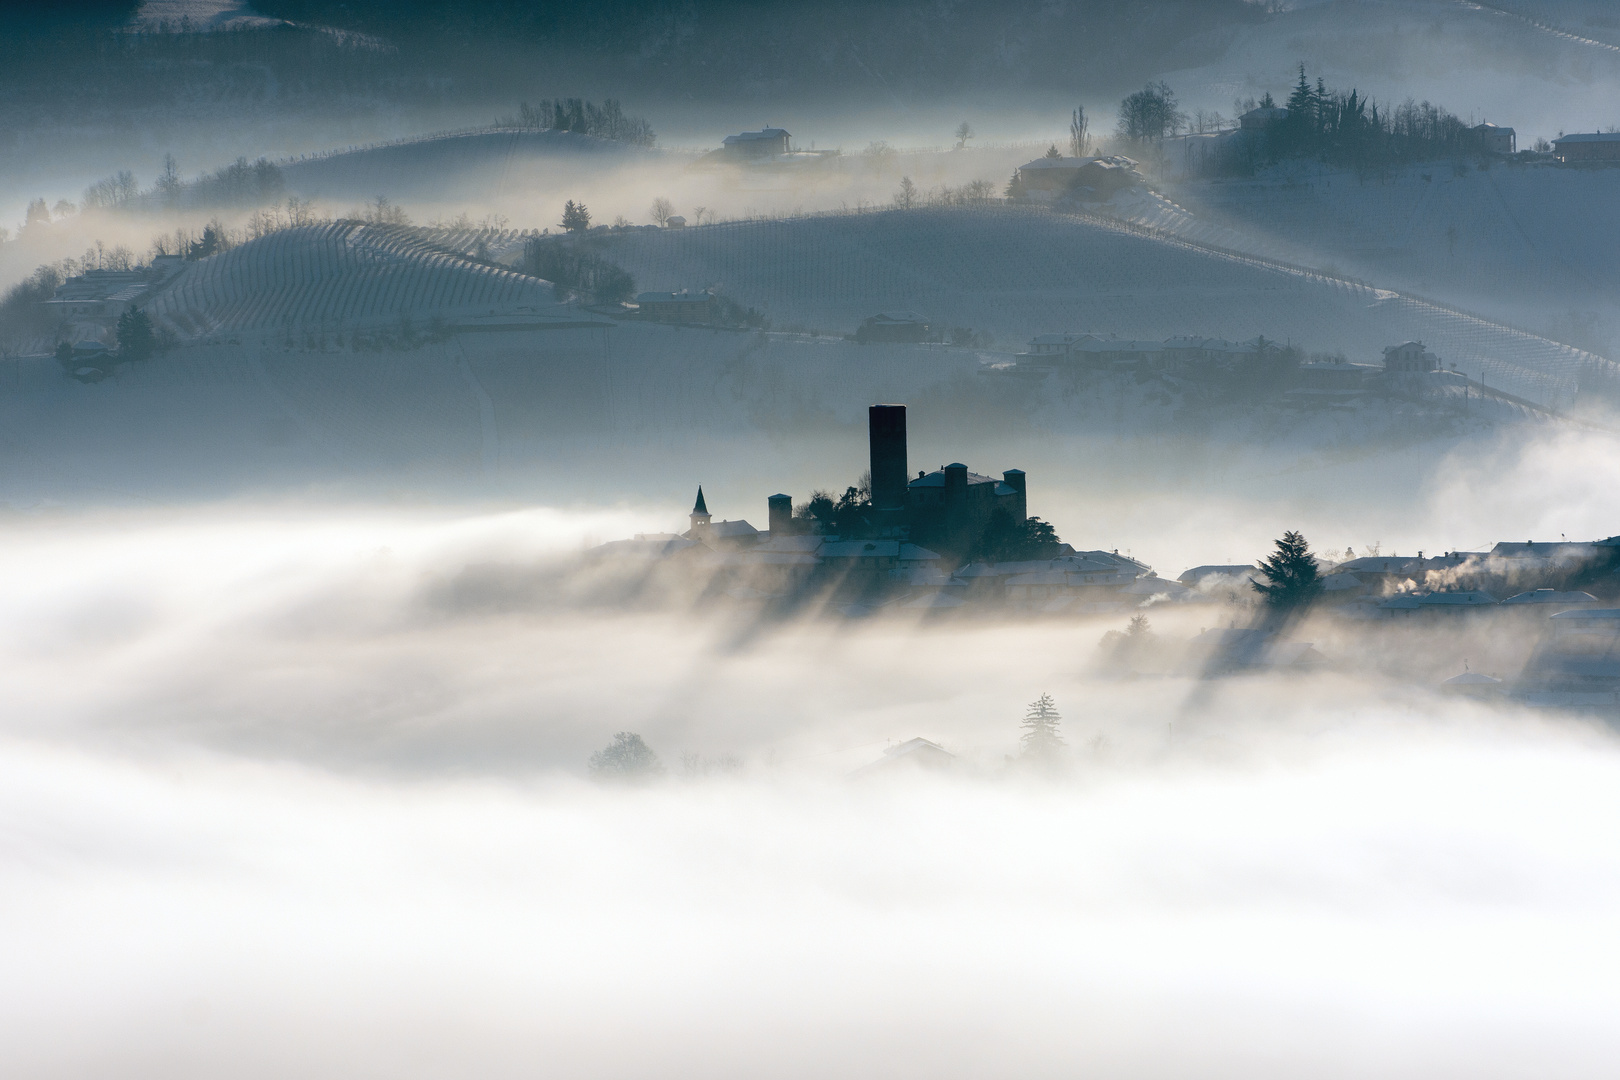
(1291, 574)
(135, 338)
(1041, 738)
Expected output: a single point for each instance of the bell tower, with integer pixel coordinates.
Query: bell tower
(700, 512)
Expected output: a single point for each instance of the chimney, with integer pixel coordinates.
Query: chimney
(781, 515)
(886, 430)
(1016, 480)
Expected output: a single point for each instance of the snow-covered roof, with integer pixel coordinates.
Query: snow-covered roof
(897, 317)
(1593, 137)
(1460, 598)
(937, 479)
(1551, 596)
(725, 529)
(1600, 614)
(861, 549)
(1117, 161)
(1470, 678)
(763, 134)
(684, 296)
(1199, 573)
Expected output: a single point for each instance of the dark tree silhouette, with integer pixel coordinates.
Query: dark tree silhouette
(1150, 114)
(1291, 574)
(575, 217)
(135, 338)
(1006, 540)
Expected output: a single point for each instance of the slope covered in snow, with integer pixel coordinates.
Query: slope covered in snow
(1018, 271)
(1527, 244)
(341, 277)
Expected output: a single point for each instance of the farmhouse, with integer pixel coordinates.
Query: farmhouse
(1088, 177)
(94, 299)
(901, 326)
(1598, 146)
(1496, 140)
(1261, 119)
(754, 145)
(680, 307)
(1409, 357)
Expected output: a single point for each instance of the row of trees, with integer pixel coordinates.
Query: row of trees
(572, 267)
(629, 758)
(607, 121)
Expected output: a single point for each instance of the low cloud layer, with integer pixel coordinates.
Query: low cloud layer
(268, 805)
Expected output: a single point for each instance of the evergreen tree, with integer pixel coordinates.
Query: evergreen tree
(1041, 739)
(208, 245)
(1052, 152)
(575, 216)
(135, 338)
(64, 356)
(1290, 573)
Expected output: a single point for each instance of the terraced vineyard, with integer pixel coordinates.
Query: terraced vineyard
(341, 277)
(1019, 271)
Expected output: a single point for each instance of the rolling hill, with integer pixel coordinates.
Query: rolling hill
(1017, 271)
(344, 277)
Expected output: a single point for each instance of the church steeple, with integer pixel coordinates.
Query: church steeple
(700, 511)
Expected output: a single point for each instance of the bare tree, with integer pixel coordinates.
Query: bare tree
(1079, 132)
(1150, 114)
(662, 211)
(964, 132)
(168, 181)
(907, 196)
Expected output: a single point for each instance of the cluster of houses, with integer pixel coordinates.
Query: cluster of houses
(1530, 587)
(1189, 355)
(88, 305)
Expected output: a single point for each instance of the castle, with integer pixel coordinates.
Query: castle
(948, 509)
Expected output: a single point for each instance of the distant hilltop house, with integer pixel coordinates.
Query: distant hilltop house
(1092, 178)
(1598, 146)
(768, 146)
(95, 299)
(1409, 358)
(753, 145)
(1262, 119)
(893, 326)
(677, 307)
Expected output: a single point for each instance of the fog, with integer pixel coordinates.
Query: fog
(276, 800)
(316, 640)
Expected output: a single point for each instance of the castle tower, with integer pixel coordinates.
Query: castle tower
(886, 431)
(700, 512)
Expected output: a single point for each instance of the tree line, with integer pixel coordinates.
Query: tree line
(606, 121)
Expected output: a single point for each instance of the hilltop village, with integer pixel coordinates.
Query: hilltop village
(952, 538)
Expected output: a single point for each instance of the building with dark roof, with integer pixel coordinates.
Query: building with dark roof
(1596, 146)
(751, 145)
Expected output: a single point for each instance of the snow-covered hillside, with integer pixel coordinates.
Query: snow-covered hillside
(341, 277)
(1018, 271)
(640, 414)
(1526, 244)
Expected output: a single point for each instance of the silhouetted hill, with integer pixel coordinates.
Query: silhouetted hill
(896, 48)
